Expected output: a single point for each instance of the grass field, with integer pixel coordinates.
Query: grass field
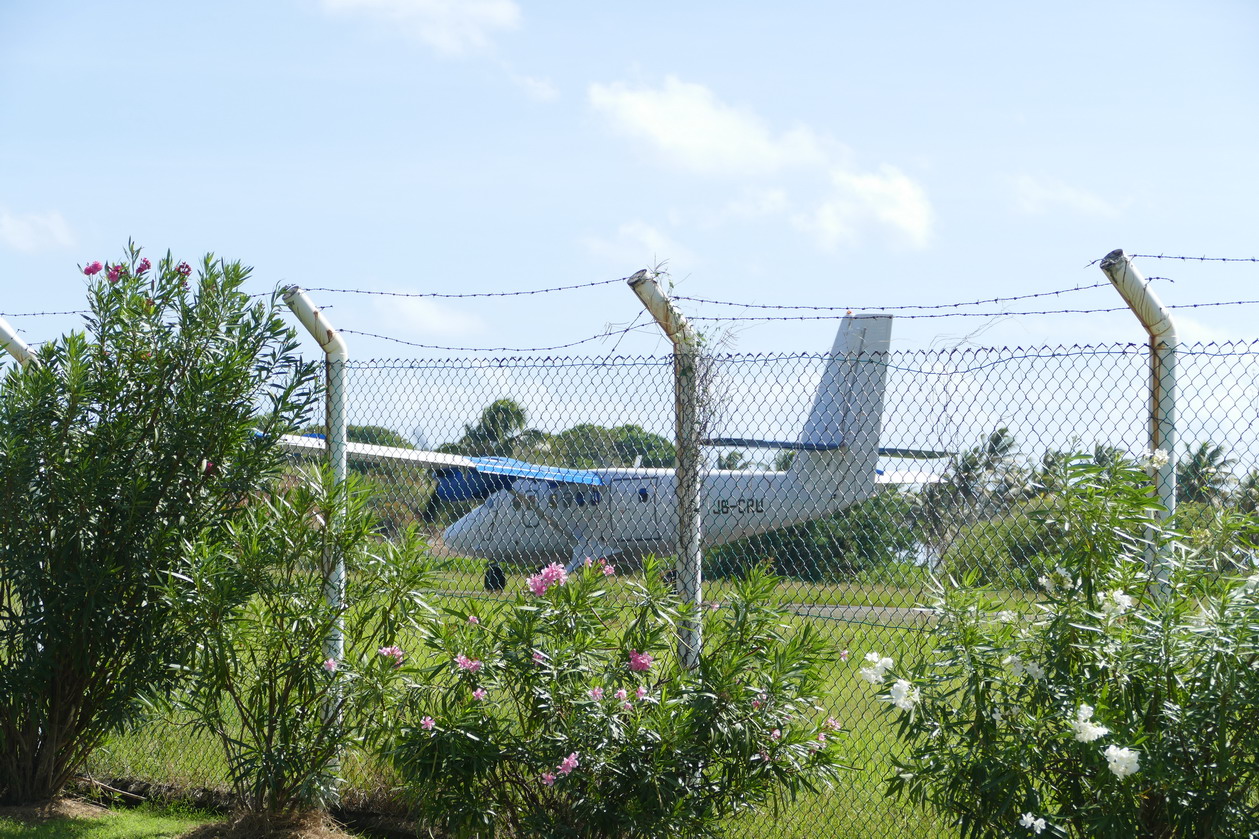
(166, 752)
(85, 822)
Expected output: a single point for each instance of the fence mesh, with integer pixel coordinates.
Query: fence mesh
(855, 567)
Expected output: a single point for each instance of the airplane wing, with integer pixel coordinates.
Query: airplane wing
(377, 454)
(459, 477)
(755, 443)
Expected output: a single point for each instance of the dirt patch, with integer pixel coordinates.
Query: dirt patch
(59, 808)
(253, 826)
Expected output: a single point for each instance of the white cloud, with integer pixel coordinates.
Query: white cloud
(758, 203)
(34, 231)
(1041, 195)
(689, 127)
(887, 197)
(637, 244)
(537, 89)
(422, 319)
(452, 27)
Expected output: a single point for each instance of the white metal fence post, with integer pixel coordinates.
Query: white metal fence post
(336, 353)
(686, 383)
(14, 345)
(1157, 320)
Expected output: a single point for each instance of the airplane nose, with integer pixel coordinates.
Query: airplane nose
(457, 537)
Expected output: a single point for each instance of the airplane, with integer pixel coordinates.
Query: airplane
(534, 514)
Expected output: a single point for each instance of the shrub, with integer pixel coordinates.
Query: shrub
(117, 448)
(1009, 551)
(567, 714)
(1123, 706)
(263, 680)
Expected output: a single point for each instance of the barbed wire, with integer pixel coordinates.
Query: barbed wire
(767, 318)
(44, 314)
(449, 295)
(1195, 258)
(606, 334)
(901, 308)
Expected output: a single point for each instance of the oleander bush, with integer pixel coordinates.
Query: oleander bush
(269, 678)
(568, 713)
(1123, 704)
(119, 446)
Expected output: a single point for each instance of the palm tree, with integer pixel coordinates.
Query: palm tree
(1248, 492)
(500, 432)
(1204, 475)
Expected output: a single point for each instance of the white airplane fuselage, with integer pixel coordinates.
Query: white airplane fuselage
(557, 515)
(634, 512)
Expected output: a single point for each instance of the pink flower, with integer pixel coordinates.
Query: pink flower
(641, 692)
(713, 605)
(625, 706)
(330, 665)
(821, 737)
(639, 661)
(538, 657)
(478, 694)
(184, 268)
(756, 703)
(427, 723)
(609, 570)
(832, 723)
(596, 693)
(843, 656)
(568, 764)
(776, 734)
(113, 272)
(473, 619)
(588, 561)
(552, 575)
(621, 694)
(472, 665)
(143, 266)
(392, 652)
(548, 779)
(92, 268)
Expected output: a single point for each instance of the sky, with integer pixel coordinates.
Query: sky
(859, 155)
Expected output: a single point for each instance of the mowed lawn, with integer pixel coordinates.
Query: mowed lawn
(75, 820)
(167, 752)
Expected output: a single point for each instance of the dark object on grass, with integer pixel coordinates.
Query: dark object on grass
(495, 579)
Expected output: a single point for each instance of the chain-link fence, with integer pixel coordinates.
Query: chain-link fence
(988, 432)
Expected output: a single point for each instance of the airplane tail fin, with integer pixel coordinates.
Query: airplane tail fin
(839, 445)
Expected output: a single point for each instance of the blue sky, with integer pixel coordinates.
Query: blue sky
(838, 154)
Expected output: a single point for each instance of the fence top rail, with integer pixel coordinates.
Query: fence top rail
(894, 358)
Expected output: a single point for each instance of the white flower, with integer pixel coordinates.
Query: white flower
(1156, 459)
(1085, 731)
(1029, 821)
(903, 695)
(1115, 603)
(1018, 667)
(1122, 761)
(876, 669)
